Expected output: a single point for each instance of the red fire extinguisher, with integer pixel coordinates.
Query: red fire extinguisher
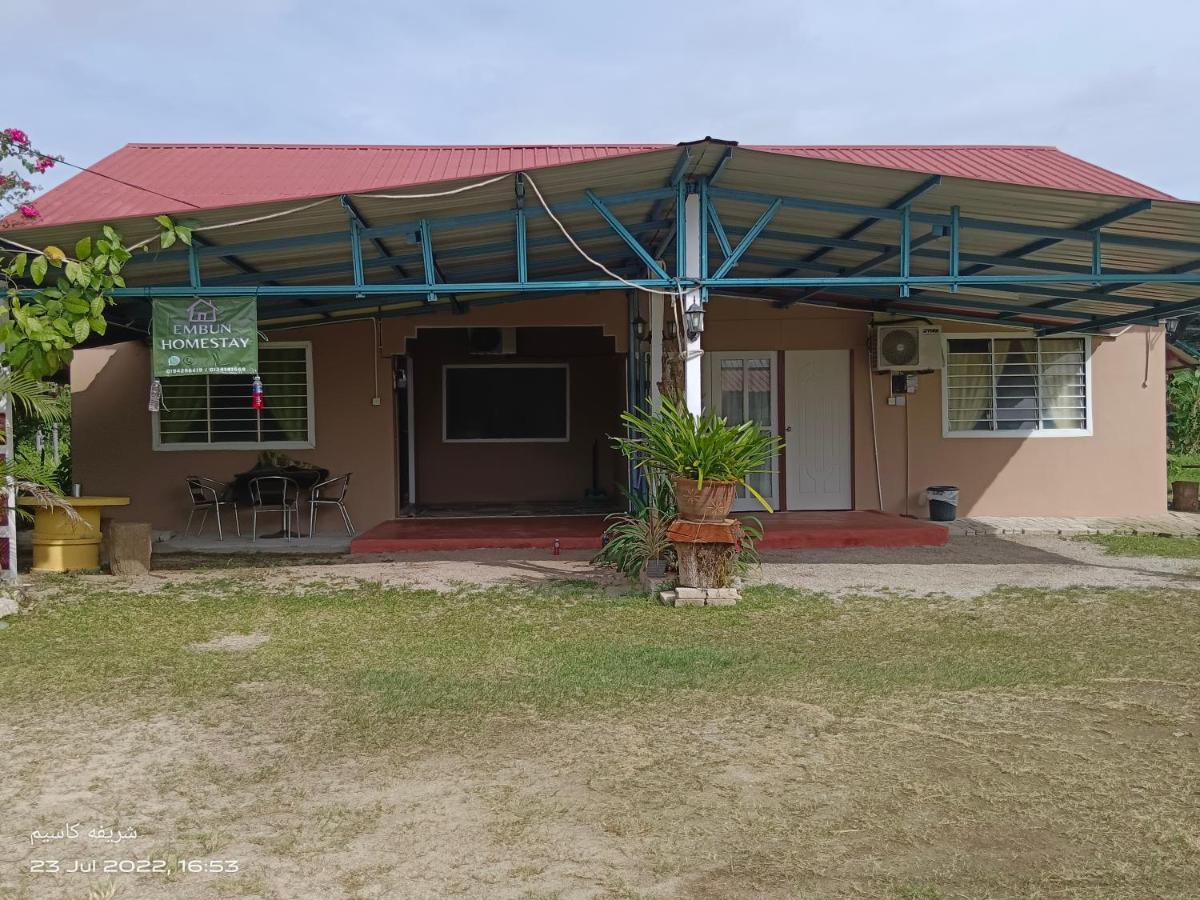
(256, 394)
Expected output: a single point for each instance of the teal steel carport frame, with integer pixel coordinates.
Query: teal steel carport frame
(1077, 297)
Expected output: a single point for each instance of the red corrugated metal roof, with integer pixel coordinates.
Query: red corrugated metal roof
(216, 175)
(1034, 166)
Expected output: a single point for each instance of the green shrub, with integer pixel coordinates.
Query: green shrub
(634, 538)
(1183, 412)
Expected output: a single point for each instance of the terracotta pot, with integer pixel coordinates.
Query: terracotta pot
(708, 504)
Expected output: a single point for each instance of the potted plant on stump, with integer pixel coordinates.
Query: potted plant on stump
(706, 460)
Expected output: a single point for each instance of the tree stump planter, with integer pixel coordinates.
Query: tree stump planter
(129, 548)
(706, 554)
(1185, 496)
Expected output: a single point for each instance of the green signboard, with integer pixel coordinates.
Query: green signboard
(205, 337)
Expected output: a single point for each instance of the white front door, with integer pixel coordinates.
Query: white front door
(742, 386)
(817, 416)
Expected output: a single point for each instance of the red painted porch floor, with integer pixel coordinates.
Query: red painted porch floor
(782, 531)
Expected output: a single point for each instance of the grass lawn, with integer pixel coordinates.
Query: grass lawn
(350, 740)
(1146, 545)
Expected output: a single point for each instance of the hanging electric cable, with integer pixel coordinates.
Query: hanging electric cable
(595, 262)
(113, 178)
(451, 192)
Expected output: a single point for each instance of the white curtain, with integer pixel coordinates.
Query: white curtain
(969, 384)
(1062, 383)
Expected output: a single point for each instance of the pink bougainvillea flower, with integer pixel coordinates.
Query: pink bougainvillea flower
(16, 135)
(29, 211)
(44, 163)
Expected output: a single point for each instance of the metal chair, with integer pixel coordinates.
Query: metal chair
(274, 493)
(209, 494)
(330, 492)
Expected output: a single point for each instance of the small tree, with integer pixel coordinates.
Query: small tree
(16, 152)
(1183, 411)
(70, 293)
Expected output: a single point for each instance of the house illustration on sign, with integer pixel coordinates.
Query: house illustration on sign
(202, 311)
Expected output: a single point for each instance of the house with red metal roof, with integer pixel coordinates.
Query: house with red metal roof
(462, 327)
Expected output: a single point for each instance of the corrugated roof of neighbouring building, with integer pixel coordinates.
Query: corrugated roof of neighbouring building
(174, 177)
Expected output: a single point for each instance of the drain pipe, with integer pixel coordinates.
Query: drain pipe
(874, 431)
(907, 466)
(376, 353)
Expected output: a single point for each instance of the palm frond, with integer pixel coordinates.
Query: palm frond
(32, 478)
(39, 399)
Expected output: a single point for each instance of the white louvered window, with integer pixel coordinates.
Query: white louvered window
(214, 412)
(1016, 386)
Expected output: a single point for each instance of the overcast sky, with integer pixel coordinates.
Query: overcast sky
(1117, 83)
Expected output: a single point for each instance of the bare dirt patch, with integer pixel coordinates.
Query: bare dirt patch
(971, 567)
(231, 643)
(561, 741)
(1066, 793)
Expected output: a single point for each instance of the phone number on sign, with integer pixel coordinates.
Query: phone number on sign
(131, 866)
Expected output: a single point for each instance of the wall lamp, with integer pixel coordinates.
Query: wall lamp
(641, 330)
(693, 320)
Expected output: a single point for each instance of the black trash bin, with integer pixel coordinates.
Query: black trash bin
(943, 502)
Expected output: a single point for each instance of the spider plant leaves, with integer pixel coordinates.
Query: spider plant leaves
(674, 442)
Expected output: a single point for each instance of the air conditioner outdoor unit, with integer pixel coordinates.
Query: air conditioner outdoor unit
(911, 347)
(492, 341)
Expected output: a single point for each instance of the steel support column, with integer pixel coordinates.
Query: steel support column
(656, 302)
(631, 380)
(8, 450)
(522, 237)
(193, 266)
(427, 263)
(955, 247)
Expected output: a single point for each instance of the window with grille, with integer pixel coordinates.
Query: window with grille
(215, 412)
(1016, 386)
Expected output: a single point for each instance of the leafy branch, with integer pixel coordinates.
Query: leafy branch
(41, 330)
(52, 301)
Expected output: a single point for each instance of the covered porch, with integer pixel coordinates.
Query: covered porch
(781, 531)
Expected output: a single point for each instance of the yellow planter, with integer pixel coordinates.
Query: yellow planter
(64, 544)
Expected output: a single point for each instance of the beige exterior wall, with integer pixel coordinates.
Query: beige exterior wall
(1119, 470)
(605, 309)
(112, 429)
